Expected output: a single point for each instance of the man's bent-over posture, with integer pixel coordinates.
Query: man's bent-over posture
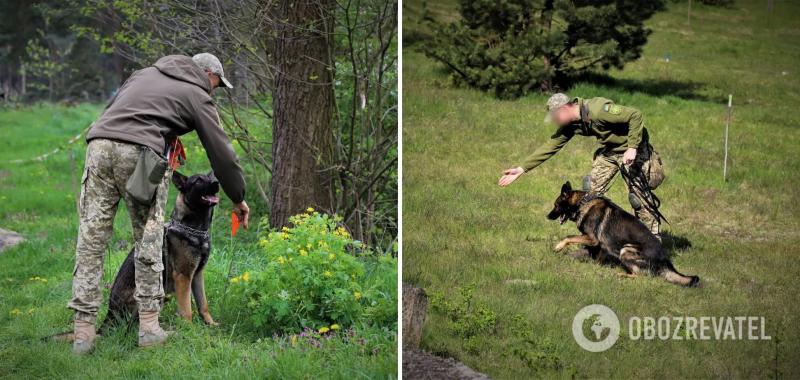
(128, 158)
(623, 140)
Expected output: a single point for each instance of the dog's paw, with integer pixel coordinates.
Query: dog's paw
(560, 247)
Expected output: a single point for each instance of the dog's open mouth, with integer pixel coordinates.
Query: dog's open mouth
(563, 219)
(210, 200)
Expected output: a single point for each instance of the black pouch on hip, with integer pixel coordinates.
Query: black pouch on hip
(146, 177)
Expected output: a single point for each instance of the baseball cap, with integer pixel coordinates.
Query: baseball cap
(210, 62)
(557, 100)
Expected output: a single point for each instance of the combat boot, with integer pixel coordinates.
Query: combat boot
(150, 332)
(84, 337)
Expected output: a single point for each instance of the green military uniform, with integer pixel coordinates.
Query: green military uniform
(617, 128)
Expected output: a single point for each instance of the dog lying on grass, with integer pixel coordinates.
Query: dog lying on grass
(612, 234)
(187, 245)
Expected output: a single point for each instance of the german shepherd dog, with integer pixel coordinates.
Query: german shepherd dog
(612, 234)
(187, 245)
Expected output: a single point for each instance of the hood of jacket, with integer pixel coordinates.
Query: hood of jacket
(184, 69)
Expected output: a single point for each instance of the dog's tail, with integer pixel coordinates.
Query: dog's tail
(673, 276)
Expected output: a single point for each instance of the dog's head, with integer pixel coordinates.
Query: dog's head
(197, 191)
(566, 204)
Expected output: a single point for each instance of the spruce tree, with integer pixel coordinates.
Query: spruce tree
(511, 47)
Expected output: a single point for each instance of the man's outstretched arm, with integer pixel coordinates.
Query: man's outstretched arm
(541, 154)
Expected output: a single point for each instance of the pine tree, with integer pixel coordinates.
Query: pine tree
(514, 46)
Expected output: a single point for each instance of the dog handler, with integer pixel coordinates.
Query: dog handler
(623, 141)
(131, 153)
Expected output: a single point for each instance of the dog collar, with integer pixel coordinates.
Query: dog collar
(182, 228)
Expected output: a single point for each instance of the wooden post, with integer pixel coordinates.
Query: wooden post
(415, 306)
(727, 126)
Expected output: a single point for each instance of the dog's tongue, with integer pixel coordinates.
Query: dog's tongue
(211, 199)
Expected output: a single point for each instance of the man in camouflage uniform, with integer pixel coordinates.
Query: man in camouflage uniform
(154, 106)
(623, 141)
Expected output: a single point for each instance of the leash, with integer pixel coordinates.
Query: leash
(638, 181)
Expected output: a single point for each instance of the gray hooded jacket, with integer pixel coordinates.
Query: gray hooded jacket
(167, 100)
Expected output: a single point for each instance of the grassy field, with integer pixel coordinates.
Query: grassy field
(503, 302)
(38, 199)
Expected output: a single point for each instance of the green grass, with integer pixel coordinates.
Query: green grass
(461, 230)
(38, 199)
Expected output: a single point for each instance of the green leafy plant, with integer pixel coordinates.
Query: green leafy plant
(468, 318)
(311, 278)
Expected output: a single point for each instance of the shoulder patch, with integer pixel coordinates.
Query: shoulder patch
(612, 109)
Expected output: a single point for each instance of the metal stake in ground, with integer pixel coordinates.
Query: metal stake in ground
(727, 126)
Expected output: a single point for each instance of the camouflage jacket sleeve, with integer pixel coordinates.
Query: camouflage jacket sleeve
(616, 114)
(549, 148)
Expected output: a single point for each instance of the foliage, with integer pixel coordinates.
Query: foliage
(310, 279)
(42, 56)
(468, 318)
(514, 47)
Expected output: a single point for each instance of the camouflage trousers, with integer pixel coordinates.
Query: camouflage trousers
(108, 166)
(606, 166)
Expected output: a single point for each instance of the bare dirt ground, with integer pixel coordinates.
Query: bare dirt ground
(9, 239)
(420, 365)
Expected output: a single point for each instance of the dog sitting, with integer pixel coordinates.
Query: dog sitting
(611, 233)
(187, 245)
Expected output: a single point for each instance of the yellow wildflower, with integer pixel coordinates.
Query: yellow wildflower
(327, 273)
(15, 312)
(235, 280)
(284, 236)
(341, 231)
(285, 229)
(310, 209)
(281, 260)
(309, 246)
(294, 340)
(357, 295)
(246, 276)
(323, 330)
(334, 327)
(303, 252)
(331, 256)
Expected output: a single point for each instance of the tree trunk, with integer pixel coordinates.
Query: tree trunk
(302, 134)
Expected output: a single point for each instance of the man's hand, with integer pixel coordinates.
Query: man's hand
(511, 175)
(629, 156)
(243, 212)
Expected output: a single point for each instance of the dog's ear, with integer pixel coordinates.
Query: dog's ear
(566, 188)
(212, 176)
(179, 180)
